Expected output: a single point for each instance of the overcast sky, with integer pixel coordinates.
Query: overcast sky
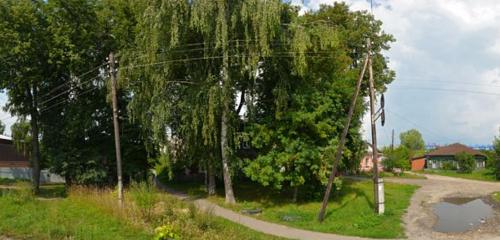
(447, 63)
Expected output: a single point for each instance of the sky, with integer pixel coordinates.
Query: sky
(447, 63)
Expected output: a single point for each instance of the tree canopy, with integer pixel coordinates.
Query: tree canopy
(412, 139)
(237, 89)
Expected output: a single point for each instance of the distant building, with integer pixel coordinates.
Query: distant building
(14, 165)
(436, 158)
(366, 164)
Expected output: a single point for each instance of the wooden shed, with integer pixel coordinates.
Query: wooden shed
(418, 163)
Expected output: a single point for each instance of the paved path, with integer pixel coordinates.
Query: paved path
(258, 225)
(418, 220)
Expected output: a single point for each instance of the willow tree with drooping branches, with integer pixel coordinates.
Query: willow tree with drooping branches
(190, 61)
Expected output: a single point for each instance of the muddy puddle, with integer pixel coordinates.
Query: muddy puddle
(461, 214)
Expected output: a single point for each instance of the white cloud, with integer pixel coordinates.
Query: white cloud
(444, 51)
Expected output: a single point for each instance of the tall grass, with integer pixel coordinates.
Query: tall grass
(95, 213)
(21, 192)
(145, 197)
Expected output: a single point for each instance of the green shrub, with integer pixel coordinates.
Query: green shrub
(496, 155)
(466, 162)
(145, 197)
(337, 184)
(397, 158)
(497, 169)
(449, 166)
(166, 232)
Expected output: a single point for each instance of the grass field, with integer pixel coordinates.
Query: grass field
(350, 211)
(84, 213)
(496, 196)
(392, 175)
(481, 174)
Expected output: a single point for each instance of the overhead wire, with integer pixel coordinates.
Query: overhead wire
(431, 132)
(69, 82)
(410, 88)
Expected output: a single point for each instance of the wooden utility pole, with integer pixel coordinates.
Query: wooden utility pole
(378, 184)
(340, 147)
(116, 127)
(392, 140)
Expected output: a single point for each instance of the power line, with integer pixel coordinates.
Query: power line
(67, 91)
(67, 100)
(446, 90)
(68, 82)
(311, 54)
(448, 81)
(434, 133)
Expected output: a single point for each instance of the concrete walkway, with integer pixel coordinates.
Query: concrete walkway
(256, 224)
(418, 220)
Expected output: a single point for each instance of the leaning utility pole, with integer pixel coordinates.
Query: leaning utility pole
(112, 70)
(378, 183)
(340, 147)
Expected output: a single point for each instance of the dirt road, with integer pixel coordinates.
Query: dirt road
(420, 219)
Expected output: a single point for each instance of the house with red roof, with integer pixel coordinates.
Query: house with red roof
(438, 157)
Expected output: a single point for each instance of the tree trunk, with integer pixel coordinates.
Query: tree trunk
(295, 193)
(228, 186)
(35, 141)
(226, 98)
(210, 178)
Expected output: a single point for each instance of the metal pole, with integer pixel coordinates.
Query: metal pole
(116, 128)
(340, 148)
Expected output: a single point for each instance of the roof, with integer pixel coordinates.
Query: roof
(453, 149)
(418, 157)
(5, 137)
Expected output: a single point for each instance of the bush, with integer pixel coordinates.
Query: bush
(449, 166)
(166, 232)
(466, 162)
(337, 184)
(145, 197)
(496, 155)
(397, 158)
(497, 169)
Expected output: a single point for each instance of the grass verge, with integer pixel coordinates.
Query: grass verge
(393, 175)
(87, 213)
(481, 174)
(350, 211)
(496, 196)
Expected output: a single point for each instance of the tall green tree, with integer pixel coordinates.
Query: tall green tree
(24, 60)
(77, 134)
(53, 70)
(208, 49)
(412, 139)
(303, 100)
